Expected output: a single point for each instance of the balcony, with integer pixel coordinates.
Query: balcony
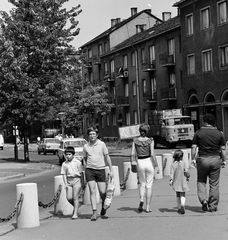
(109, 77)
(121, 72)
(96, 60)
(167, 60)
(88, 64)
(123, 101)
(150, 67)
(150, 97)
(168, 94)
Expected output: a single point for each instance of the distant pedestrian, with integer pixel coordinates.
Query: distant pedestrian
(179, 176)
(142, 152)
(95, 153)
(71, 171)
(211, 156)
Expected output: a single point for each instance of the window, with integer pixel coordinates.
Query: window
(145, 113)
(105, 47)
(106, 68)
(205, 18)
(222, 12)
(114, 119)
(114, 92)
(135, 117)
(99, 50)
(128, 119)
(224, 56)
(207, 61)
(171, 49)
(191, 64)
(112, 66)
(126, 90)
(172, 80)
(90, 53)
(144, 86)
(107, 120)
(132, 59)
(152, 53)
(143, 55)
(125, 61)
(153, 85)
(134, 88)
(189, 25)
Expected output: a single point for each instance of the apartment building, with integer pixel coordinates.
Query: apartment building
(204, 43)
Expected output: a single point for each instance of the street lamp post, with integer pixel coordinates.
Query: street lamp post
(61, 117)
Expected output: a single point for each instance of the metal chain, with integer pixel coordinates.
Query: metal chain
(123, 185)
(56, 197)
(14, 211)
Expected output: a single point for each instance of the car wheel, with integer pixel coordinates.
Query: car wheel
(38, 152)
(44, 152)
(54, 153)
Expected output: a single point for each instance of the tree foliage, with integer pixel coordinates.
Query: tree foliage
(36, 59)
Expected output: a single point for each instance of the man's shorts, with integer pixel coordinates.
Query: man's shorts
(97, 175)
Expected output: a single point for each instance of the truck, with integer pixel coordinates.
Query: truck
(170, 127)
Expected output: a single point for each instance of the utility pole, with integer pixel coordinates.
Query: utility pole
(15, 133)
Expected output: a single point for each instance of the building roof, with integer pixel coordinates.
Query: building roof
(178, 3)
(156, 30)
(118, 25)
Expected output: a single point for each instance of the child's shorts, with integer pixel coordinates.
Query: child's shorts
(74, 181)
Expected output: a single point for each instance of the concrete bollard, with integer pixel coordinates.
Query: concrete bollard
(62, 206)
(28, 212)
(132, 181)
(189, 156)
(167, 159)
(116, 179)
(86, 197)
(160, 174)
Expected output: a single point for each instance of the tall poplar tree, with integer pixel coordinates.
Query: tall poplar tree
(36, 59)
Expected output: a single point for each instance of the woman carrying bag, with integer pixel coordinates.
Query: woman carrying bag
(143, 152)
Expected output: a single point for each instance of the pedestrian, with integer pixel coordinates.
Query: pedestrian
(95, 153)
(211, 156)
(71, 170)
(179, 176)
(142, 152)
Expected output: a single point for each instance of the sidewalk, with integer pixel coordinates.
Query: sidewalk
(124, 222)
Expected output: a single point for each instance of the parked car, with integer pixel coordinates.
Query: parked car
(77, 143)
(48, 145)
(1, 142)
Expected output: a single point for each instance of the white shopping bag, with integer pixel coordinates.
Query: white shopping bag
(109, 192)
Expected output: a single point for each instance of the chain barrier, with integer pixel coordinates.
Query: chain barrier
(164, 165)
(123, 185)
(14, 211)
(56, 197)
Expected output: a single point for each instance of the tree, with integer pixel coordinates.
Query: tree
(36, 59)
(94, 100)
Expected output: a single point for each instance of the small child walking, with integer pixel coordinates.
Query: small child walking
(179, 176)
(71, 171)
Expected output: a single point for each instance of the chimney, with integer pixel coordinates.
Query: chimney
(166, 16)
(133, 11)
(118, 20)
(113, 22)
(148, 10)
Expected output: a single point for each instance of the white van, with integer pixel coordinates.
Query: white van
(1, 142)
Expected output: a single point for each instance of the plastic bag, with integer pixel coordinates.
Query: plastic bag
(109, 193)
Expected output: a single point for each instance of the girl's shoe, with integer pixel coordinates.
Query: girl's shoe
(140, 208)
(74, 217)
(148, 211)
(94, 217)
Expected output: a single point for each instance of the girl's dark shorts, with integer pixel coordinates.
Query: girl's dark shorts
(97, 175)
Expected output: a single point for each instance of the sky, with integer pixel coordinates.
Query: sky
(96, 15)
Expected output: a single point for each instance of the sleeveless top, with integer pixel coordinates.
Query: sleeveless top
(143, 148)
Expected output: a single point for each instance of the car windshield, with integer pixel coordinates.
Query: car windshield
(54, 140)
(79, 143)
